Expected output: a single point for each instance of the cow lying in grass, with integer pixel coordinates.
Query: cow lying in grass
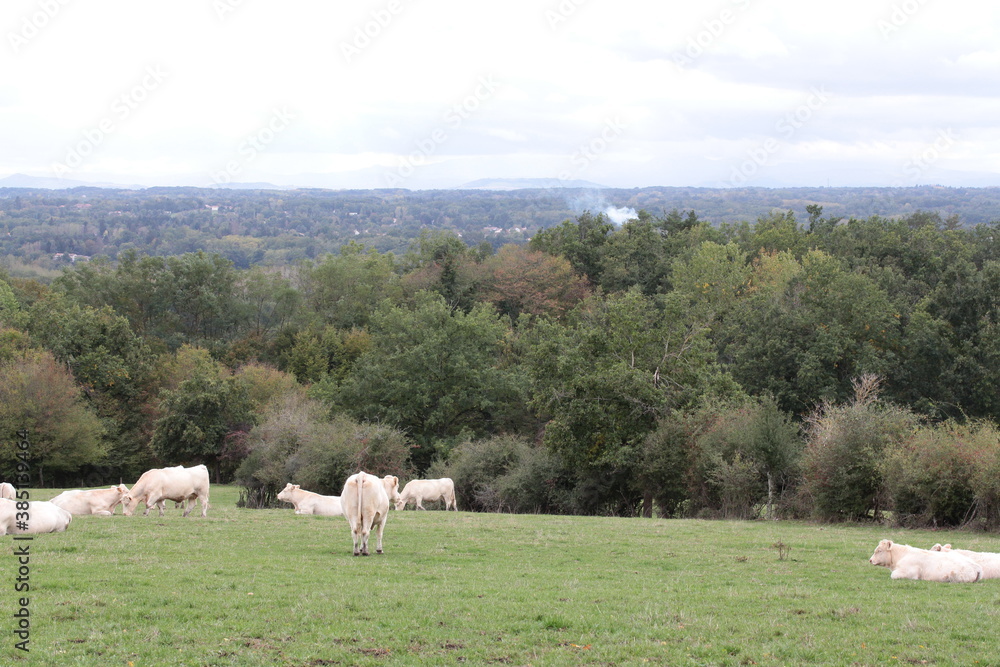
(908, 562)
(40, 517)
(989, 561)
(102, 502)
(307, 502)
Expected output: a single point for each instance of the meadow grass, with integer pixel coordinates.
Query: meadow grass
(267, 587)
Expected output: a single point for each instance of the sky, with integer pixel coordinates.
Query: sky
(437, 93)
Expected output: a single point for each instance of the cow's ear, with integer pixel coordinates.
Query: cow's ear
(888, 544)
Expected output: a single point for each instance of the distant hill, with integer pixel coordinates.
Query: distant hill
(249, 186)
(253, 224)
(527, 184)
(51, 183)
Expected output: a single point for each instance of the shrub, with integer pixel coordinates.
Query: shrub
(842, 478)
(507, 474)
(297, 442)
(928, 477)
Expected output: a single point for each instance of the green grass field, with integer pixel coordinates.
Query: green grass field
(266, 587)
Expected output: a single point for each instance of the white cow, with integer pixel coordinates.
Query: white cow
(8, 491)
(418, 490)
(91, 501)
(161, 484)
(908, 562)
(307, 502)
(365, 500)
(988, 560)
(42, 517)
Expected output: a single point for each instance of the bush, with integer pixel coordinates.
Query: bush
(845, 445)
(981, 441)
(297, 442)
(506, 474)
(929, 477)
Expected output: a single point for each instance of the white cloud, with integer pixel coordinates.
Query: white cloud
(696, 85)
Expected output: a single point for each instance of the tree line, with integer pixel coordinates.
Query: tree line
(843, 369)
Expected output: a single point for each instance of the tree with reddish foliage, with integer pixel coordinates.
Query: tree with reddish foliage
(520, 280)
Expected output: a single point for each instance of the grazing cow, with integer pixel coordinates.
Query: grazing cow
(43, 517)
(8, 491)
(908, 562)
(91, 501)
(307, 502)
(988, 560)
(418, 490)
(365, 500)
(161, 484)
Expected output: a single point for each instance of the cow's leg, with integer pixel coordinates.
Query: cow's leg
(366, 531)
(355, 535)
(381, 527)
(204, 504)
(188, 506)
(420, 504)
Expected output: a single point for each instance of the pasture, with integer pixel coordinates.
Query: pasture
(266, 587)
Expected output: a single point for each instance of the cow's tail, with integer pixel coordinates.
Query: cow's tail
(362, 478)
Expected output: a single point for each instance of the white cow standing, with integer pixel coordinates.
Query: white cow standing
(43, 517)
(161, 484)
(908, 562)
(988, 560)
(418, 490)
(91, 501)
(365, 500)
(307, 502)
(8, 491)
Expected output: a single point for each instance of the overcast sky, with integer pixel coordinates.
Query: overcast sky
(436, 93)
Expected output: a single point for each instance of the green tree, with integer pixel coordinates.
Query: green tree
(602, 383)
(635, 255)
(806, 334)
(38, 395)
(581, 242)
(345, 290)
(207, 407)
(431, 371)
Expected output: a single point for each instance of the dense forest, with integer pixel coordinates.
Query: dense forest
(792, 366)
(42, 229)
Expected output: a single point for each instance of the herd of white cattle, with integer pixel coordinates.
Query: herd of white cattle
(364, 501)
(939, 563)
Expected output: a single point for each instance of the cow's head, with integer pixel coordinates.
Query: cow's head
(391, 483)
(128, 504)
(285, 493)
(882, 555)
